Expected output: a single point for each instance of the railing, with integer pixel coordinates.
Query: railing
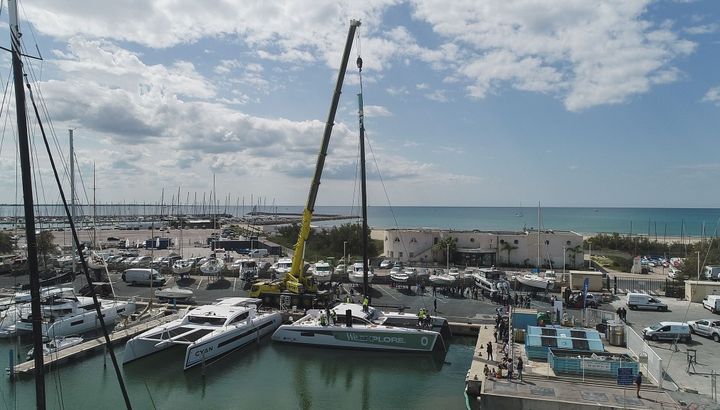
(644, 353)
(596, 316)
(667, 287)
(575, 362)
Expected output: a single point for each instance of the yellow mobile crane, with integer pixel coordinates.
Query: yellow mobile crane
(296, 286)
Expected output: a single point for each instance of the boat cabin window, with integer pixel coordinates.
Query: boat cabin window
(204, 320)
(240, 317)
(359, 321)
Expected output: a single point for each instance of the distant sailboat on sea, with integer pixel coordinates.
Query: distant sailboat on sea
(519, 212)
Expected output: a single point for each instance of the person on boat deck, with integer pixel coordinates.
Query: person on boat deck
(333, 317)
(486, 370)
(365, 302)
(323, 321)
(421, 317)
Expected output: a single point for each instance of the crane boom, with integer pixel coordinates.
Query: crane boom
(297, 268)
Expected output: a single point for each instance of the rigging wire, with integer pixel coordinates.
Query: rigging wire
(83, 262)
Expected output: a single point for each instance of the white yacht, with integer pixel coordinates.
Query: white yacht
(72, 315)
(175, 293)
(207, 332)
(247, 268)
(282, 266)
(321, 271)
(357, 274)
(356, 329)
(536, 281)
(340, 269)
(183, 266)
(56, 345)
(442, 279)
(212, 267)
(486, 278)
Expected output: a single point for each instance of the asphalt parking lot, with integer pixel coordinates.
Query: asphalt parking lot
(675, 362)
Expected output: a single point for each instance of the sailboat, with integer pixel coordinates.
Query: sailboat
(36, 318)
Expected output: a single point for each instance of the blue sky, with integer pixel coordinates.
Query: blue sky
(570, 103)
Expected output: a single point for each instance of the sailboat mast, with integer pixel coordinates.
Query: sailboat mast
(538, 237)
(24, 150)
(363, 185)
(72, 192)
(94, 210)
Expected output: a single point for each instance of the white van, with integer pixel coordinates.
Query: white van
(258, 253)
(712, 303)
(644, 301)
(143, 276)
(668, 331)
(711, 272)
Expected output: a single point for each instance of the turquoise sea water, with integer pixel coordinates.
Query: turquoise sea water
(645, 221)
(268, 376)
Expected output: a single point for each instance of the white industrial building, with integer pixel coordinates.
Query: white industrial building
(485, 248)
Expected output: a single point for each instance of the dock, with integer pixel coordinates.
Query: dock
(55, 359)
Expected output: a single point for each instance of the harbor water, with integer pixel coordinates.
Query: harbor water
(265, 376)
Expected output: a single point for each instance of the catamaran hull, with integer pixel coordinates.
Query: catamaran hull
(357, 338)
(77, 324)
(152, 342)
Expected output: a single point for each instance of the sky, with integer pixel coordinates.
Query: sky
(467, 103)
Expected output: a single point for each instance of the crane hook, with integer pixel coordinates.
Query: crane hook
(359, 63)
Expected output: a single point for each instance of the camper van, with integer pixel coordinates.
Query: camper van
(712, 303)
(668, 331)
(143, 276)
(711, 272)
(643, 301)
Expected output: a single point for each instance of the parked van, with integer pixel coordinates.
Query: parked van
(668, 331)
(643, 301)
(712, 303)
(143, 276)
(712, 272)
(258, 253)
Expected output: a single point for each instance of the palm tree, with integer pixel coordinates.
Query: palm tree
(574, 251)
(443, 247)
(508, 247)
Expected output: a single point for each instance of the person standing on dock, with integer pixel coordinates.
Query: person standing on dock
(435, 305)
(490, 351)
(520, 368)
(365, 303)
(638, 382)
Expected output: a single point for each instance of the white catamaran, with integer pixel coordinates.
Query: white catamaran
(207, 332)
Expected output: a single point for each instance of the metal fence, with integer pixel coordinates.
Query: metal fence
(644, 354)
(666, 287)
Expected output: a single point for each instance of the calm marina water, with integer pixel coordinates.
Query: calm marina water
(270, 376)
(645, 221)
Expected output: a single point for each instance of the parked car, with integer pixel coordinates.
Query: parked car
(576, 300)
(712, 303)
(386, 264)
(644, 301)
(140, 276)
(674, 273)
(668, 331)
(706, 327)
(711, 272)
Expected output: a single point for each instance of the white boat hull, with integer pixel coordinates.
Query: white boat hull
(77, 324)
(181, 268)
(535, 282)
(356, 277)
(399, 278)
(212, 267)
(174, 293)
(442, 280)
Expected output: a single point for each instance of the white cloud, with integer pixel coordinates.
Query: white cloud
(712, 95)
(395, 91)
(377, 111)
(702, 29)
(590, 53)
(437, 95)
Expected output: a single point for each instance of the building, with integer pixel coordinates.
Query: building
(485, 248)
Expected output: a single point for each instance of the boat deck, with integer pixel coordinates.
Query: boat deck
(55, 359)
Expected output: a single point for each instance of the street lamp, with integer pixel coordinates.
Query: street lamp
(564, 252)
(344, 253)
(698, 265)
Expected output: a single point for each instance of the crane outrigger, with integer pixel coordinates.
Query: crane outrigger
(300, 288)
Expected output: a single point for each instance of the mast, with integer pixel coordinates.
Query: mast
(72, 193)
(363, 187)
(24, 150)
(538, 238)
(94, 210)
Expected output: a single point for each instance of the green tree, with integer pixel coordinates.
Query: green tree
(441, 249)
(46, 246)
(329, 241)
(574, 251)
(508, 247)
(6, 244)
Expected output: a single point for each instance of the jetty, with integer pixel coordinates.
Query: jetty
(57, 358)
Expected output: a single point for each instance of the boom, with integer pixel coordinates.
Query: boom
(297, 271)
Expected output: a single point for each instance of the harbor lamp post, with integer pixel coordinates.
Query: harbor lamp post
(564, 252)
(345, 253)
(698, 265)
